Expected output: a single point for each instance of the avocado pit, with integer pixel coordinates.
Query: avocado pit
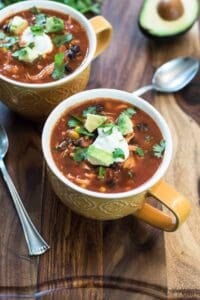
(170, 10)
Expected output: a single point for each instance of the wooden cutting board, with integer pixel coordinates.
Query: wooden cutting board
(122, 259)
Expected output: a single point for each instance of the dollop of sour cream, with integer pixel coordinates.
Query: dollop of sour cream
(42, 43)
(111, 142)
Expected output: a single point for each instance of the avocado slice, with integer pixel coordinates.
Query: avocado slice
(26, 54)
(99, 157)
(54, 24)
(155, 22)
(125, 124)
(17, 25)
(94, 121)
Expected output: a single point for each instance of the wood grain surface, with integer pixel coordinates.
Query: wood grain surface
(113, 260)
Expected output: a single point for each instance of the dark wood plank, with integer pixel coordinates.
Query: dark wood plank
(19, 271)
(75, 258)
(181, 111)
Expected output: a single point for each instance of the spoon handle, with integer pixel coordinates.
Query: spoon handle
(36, 244)
(143, 90)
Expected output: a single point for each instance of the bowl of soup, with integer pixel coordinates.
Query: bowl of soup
(46, 49)
(106, 151)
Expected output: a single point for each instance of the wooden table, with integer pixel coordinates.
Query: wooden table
(123, 259)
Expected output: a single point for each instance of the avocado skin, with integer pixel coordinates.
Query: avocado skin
(166, 38)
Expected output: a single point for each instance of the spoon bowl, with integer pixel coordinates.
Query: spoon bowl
(3, 142)
(172, 76)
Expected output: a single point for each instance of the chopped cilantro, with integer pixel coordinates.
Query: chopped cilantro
(90, 110)
(20, 53)
(2, 35)
(118, 153)
(101, 172)
(107, 128)
(31, 45)
(37, 29)
(59, 66)
(129, 112)
(59, 40)
(8, 41)
(83, 131)
(139, 151)
(73, 122)
(148, 138)
(84, 6)
(34, 10)
(80, 119)
(158, 149)
(80, 154)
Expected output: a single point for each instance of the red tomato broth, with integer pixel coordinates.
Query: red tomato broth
(77, 172)
(18, 70)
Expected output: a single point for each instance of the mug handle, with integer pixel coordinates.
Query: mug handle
(103, 30)
(169, 197)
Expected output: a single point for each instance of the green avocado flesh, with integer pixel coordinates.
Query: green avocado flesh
(99, 157)
(153, 25)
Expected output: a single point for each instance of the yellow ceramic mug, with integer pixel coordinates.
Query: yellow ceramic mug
(106, 206)
(35, 101)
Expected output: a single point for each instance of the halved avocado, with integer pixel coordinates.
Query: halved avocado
(167, 18)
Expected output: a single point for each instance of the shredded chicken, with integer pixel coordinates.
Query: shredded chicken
(110, 119)
(85, 166)
(8, 58)
(132, 147)
(80, 181)
(65, 153)
(42, 74)
(11, 69)
(122, 106)
(129, 137)
(75, 42)
(90, 175)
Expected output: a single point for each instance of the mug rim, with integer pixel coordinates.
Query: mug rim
(51, 5)
(88, 95)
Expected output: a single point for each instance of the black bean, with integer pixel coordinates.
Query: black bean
(76, 142)
(111, 183)
(115, 166)
(71, 54)
(62, 146)
(76, 48)
(112, 176)
(6, 28)
(99, 108)
(68, 69)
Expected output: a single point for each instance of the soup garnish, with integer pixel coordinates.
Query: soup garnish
(107, 145)
(39, 45)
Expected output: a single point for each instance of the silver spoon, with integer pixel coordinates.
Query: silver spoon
(35, 242)
(172, 76)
